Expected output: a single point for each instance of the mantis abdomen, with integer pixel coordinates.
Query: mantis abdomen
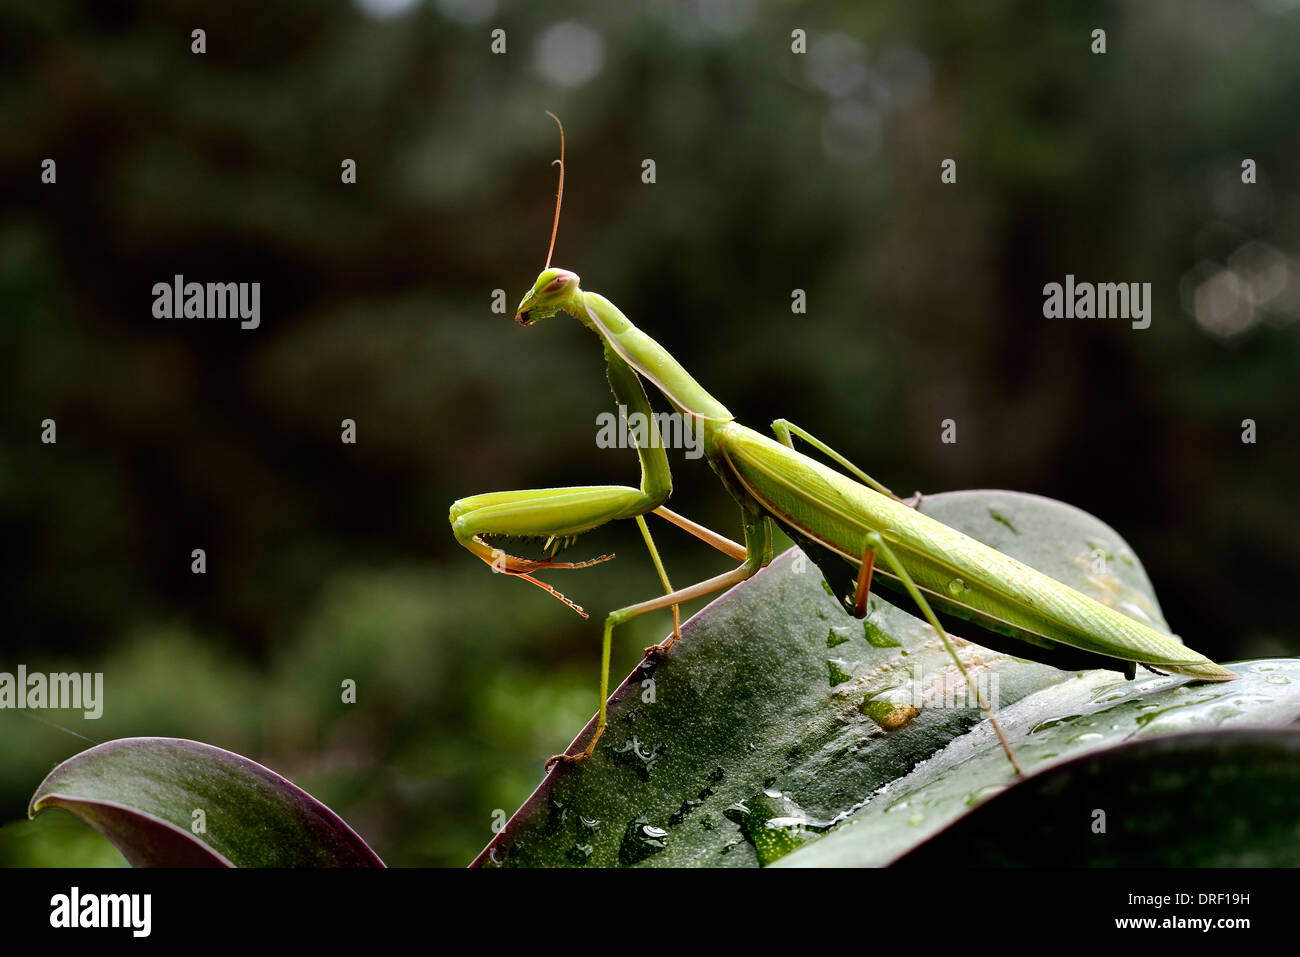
(961, 577)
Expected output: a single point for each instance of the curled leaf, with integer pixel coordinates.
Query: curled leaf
(169, 802)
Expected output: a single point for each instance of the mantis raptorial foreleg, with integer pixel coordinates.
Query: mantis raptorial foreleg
(558, 516)
(875, 543)
(561, 515)
(758, 548)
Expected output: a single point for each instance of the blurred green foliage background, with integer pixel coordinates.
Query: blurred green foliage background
(775, 171)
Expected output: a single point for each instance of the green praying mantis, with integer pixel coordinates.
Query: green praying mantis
(855, 530)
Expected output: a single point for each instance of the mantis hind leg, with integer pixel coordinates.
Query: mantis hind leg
(784, 430)
(875, 543)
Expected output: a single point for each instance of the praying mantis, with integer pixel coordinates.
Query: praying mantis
(857, 532)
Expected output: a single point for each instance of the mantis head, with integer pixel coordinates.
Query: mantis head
(554, 291)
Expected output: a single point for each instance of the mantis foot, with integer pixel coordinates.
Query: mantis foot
(564, 759)
(661, 648)
(571, 759)
(567, 760)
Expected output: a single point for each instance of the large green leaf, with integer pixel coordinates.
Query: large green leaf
(142, 794)
(779, 724)
(1096, 710)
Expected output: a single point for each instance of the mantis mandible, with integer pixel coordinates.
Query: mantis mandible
(857, 532)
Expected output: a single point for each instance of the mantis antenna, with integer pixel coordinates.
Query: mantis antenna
(559, 195)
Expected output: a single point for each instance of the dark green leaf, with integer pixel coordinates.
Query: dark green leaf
(1216, 799)
(142, 794)
(1096, 710)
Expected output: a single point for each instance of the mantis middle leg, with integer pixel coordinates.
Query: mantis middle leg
(784, 428)
(758, 547)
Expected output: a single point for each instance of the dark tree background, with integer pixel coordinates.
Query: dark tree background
(774, 171)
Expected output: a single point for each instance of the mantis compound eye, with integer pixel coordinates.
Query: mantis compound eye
(563, 279)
